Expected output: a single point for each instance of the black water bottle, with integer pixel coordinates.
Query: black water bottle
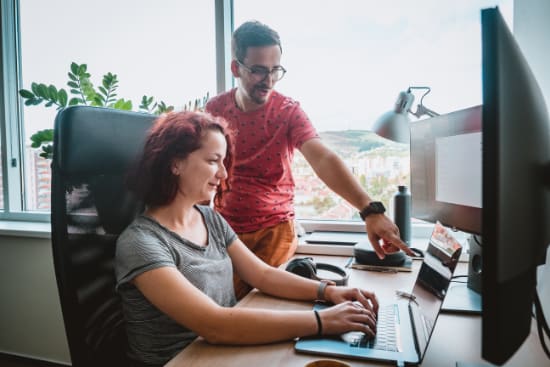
(402, 213)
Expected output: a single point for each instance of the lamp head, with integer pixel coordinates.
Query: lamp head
(394, 124)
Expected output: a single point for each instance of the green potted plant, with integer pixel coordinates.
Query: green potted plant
(83, 92)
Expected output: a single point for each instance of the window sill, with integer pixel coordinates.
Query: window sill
(25, 229)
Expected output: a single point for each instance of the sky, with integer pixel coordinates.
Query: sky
(347, 60)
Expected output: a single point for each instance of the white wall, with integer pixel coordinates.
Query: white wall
(532, 31)
(31, 324)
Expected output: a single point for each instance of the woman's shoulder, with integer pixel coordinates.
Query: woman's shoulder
(212, 217)
(207, 211)
(139, 227)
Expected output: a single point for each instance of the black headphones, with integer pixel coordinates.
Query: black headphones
(307, 268)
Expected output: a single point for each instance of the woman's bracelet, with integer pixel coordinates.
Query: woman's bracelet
(319, 323)
(321, 290)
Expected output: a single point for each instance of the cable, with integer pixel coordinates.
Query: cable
(417, 252)
(459, 276)
(542, 324)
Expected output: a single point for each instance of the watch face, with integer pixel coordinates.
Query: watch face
(375, 207)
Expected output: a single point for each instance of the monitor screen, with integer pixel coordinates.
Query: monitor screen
(515, 197)
(446, 169)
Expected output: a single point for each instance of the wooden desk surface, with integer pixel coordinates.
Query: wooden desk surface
(455, 338)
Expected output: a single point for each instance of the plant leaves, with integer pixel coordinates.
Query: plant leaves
(74, 68)
(72, 84)
(82, 70)
(62, 97)
(98, 100)
(52, 92)
(145, 103)
(34, 88)
(26, 93)
(121, 104)
(74, 101)
(40, 137)
(42, 91)
(31, 102)
(47, 151)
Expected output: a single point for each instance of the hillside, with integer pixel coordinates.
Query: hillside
(354, 141)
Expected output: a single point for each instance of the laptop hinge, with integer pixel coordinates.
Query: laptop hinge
(415, 331)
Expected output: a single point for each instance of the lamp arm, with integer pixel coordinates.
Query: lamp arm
(422, 110)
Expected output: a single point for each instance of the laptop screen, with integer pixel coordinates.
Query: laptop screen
(432, 283)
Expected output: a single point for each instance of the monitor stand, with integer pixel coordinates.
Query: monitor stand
(465, 297)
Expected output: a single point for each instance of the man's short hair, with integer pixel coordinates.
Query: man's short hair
(252, 34)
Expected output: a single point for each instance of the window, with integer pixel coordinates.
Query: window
(164, 50)
(348, 60)
(1, 180)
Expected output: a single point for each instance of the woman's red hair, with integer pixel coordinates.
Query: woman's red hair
(174, 136)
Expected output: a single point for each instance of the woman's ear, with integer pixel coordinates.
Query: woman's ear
(175, 168)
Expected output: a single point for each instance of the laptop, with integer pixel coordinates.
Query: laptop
(335, 238)
(404, 327)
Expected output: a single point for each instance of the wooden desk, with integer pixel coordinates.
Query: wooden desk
(455, 338)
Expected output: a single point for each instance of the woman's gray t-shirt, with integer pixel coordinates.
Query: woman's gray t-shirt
(154, 338)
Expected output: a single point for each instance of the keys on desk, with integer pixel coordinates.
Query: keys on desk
(406, 295)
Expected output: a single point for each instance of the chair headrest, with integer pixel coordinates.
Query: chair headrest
(100, 140)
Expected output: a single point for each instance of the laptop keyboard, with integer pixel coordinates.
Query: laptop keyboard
(386, 332)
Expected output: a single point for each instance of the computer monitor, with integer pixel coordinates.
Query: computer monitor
(446, 169)
(516, 199)
(446, 187)
(511, 152)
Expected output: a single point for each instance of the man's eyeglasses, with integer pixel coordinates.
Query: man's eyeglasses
(261, 72)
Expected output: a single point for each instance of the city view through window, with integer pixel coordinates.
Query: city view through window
(378, 164)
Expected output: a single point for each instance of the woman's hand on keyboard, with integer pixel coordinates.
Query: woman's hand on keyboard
(342, 294)
(348, 316)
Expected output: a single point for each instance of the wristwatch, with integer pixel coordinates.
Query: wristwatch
(375, 207)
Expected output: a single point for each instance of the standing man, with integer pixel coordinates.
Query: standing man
(268, 127)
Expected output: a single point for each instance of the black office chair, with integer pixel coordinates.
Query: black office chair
(93, 149)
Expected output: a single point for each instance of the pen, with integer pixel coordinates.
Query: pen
(405, 295)
(349, 262)
(373, 268)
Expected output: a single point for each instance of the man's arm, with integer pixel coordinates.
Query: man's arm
(334, 173)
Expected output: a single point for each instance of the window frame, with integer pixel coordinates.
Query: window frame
(11, 127)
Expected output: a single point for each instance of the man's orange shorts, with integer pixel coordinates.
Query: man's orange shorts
(274, 245)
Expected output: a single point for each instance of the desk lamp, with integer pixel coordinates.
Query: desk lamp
(394, 125)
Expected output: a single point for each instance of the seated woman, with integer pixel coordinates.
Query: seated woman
(175, 262)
